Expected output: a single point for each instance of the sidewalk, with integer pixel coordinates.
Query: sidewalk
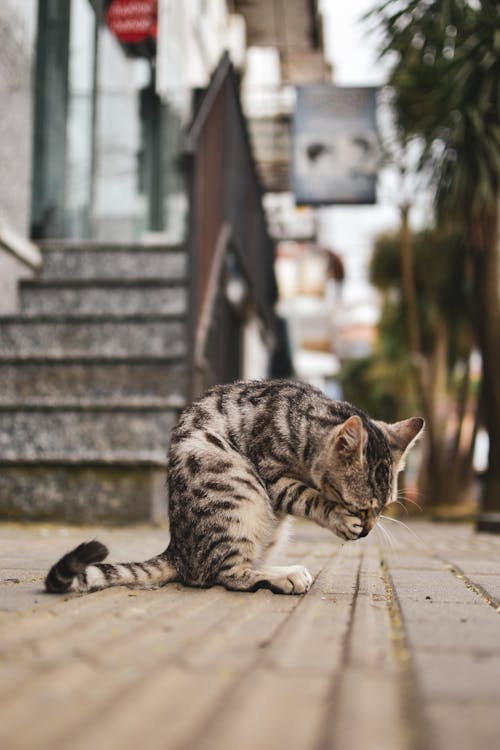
(393, 648)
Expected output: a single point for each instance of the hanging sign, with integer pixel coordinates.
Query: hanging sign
(133, 21)
(335, 145)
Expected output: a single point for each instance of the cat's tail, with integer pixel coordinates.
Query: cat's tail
(82, 569)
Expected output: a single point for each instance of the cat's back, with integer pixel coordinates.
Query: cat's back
(248, 413)
(227, 409)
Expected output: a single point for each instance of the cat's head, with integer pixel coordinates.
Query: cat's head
(360, 466)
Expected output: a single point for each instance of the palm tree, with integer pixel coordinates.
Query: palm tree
(444, 82)
(442, 348)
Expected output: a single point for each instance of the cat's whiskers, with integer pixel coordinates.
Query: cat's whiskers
(398, 502)
(406, 499)
(405, 526)
(386, 536)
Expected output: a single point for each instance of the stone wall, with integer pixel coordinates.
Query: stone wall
(17, 25)
(16, 64)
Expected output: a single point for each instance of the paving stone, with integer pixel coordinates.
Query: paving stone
(311, 640)
(369, 714)
(399, 560)
(269, 710)
(427, 586)
(357, 662)
(462, 726)
(451, 627)
(372, 683)
(459, 676)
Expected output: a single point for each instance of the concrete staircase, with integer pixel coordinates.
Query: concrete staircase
(93, 373)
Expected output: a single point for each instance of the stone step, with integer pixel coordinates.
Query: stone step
(93, 375)
(91, 297)
(83, 493)
(87, 434)
(93, 336)
(45, 381)
(77, 260)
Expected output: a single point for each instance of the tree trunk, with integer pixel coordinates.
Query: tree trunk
(408, 284)
(462, 446)
(431, 470)
(438, 473)
(484, 231)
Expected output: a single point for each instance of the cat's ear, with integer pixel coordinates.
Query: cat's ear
(350, 438)
(402, 435)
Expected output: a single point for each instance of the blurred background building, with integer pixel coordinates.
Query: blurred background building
(138, 234)
(107, 118)
(155, 237)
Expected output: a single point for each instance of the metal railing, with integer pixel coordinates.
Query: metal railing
(228, 233)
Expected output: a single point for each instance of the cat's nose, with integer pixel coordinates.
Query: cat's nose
(365, 532)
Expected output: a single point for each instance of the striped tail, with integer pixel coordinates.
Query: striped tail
(82, 569)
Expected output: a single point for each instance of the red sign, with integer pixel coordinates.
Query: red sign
(133, 21)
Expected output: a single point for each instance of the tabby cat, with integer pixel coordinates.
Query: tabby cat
(242, 458)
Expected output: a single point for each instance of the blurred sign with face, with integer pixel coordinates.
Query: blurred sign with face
(335, 151)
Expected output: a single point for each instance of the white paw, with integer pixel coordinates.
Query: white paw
(293, 580)
(301, 579)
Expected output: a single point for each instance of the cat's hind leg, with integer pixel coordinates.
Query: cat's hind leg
(247, 567)
(223, 523)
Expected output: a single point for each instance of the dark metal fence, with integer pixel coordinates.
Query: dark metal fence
(228, 233)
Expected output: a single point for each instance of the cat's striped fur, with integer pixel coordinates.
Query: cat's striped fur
(243, 458)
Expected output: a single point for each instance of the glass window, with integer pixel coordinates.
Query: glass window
(107, 147)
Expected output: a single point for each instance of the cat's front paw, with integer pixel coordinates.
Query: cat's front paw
(300, 578)
(348, 527)
(293, 579)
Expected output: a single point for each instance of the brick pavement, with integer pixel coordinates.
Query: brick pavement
(395, 647)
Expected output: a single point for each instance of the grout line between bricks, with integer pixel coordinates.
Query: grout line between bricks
(417, 733)
(123, 689)
(460, 575)
(260, 661)
(471, 585)
(238, 678)
(324, 741)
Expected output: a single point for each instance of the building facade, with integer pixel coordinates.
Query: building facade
(142, 225)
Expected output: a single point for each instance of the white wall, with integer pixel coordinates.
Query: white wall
(191, 39)
(255, 351)
(17, 21)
